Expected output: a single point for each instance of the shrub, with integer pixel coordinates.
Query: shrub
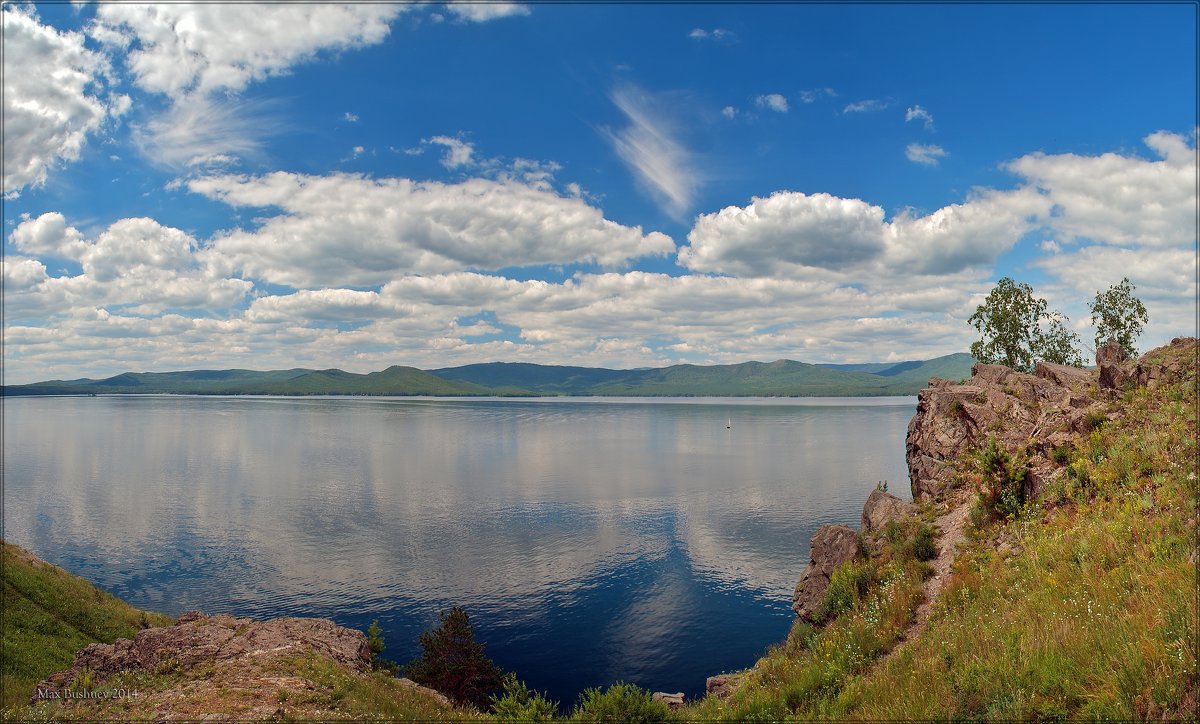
(848, 585)
(923, 548)
(1095, 420)
(375, 642)
(454, 663)
(1003, 480)
(620, 703)
(520, 704)
(1061, 454)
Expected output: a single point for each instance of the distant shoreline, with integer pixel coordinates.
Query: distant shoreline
(781, 378)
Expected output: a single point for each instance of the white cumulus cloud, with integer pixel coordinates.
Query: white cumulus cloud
(917, 113)
(53, 98)
(925, 154)
(176, 49)
(481, 12)
(347, 229)
(773, 101)
(783, 231)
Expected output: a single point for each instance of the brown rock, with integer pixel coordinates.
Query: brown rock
(1111, 352)
(1064, 375)
(831, 547)
(722, 685)
(196, 638)
(1016, 408)
(882, 507)
(673, 701)
(1112, 377)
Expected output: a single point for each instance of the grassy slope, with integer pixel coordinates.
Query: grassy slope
(1092, 614)
(48, 614)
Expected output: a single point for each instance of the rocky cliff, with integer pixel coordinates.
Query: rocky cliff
(1030, 416)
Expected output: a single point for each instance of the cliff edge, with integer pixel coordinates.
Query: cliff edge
(1045, 568)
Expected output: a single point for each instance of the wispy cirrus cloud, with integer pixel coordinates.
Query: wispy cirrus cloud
(650, 146)
(717, 34)
(870, 105)
(812, 95)
(199, 131)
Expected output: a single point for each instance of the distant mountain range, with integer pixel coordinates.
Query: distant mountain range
(783, 378)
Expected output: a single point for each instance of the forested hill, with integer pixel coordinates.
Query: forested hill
(780, 378)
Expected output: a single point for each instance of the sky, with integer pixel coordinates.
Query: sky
(364, 185)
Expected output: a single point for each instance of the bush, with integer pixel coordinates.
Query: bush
(621, 703)
(520, 704)
(923, 548)
(1095, 420)
(1061, 454)
(848, 585)
(1003, 480)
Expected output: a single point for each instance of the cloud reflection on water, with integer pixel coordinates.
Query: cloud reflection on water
(590, 540)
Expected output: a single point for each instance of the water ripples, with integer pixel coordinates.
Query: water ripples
(589, 540)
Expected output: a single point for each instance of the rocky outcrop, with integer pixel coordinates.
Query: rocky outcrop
(881, 508)
(673, 701)
(1172, 365)
(723, 685)
(1030, 414)
(197, 638)
(831, 547)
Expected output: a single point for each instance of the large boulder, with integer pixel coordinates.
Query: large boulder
(722, 685)
(832, 546)
(1111, 352)
(1075, 378)
(882, 507)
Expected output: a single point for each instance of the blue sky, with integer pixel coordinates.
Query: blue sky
(356, 186)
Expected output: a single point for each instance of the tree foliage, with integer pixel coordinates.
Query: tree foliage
(1017, 329)
(1059, 344)
(375, 642)
(1118, 314)
(454, 663)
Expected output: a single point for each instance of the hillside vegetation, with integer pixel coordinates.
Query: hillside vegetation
(1078, 604)
(49, 614)
(781, 378)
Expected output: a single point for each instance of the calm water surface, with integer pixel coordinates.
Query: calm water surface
(590, 540)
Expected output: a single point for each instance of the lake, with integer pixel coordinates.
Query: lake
(590, 539)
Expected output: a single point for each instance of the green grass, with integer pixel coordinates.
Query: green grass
(49, 614)
(1092, 616)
